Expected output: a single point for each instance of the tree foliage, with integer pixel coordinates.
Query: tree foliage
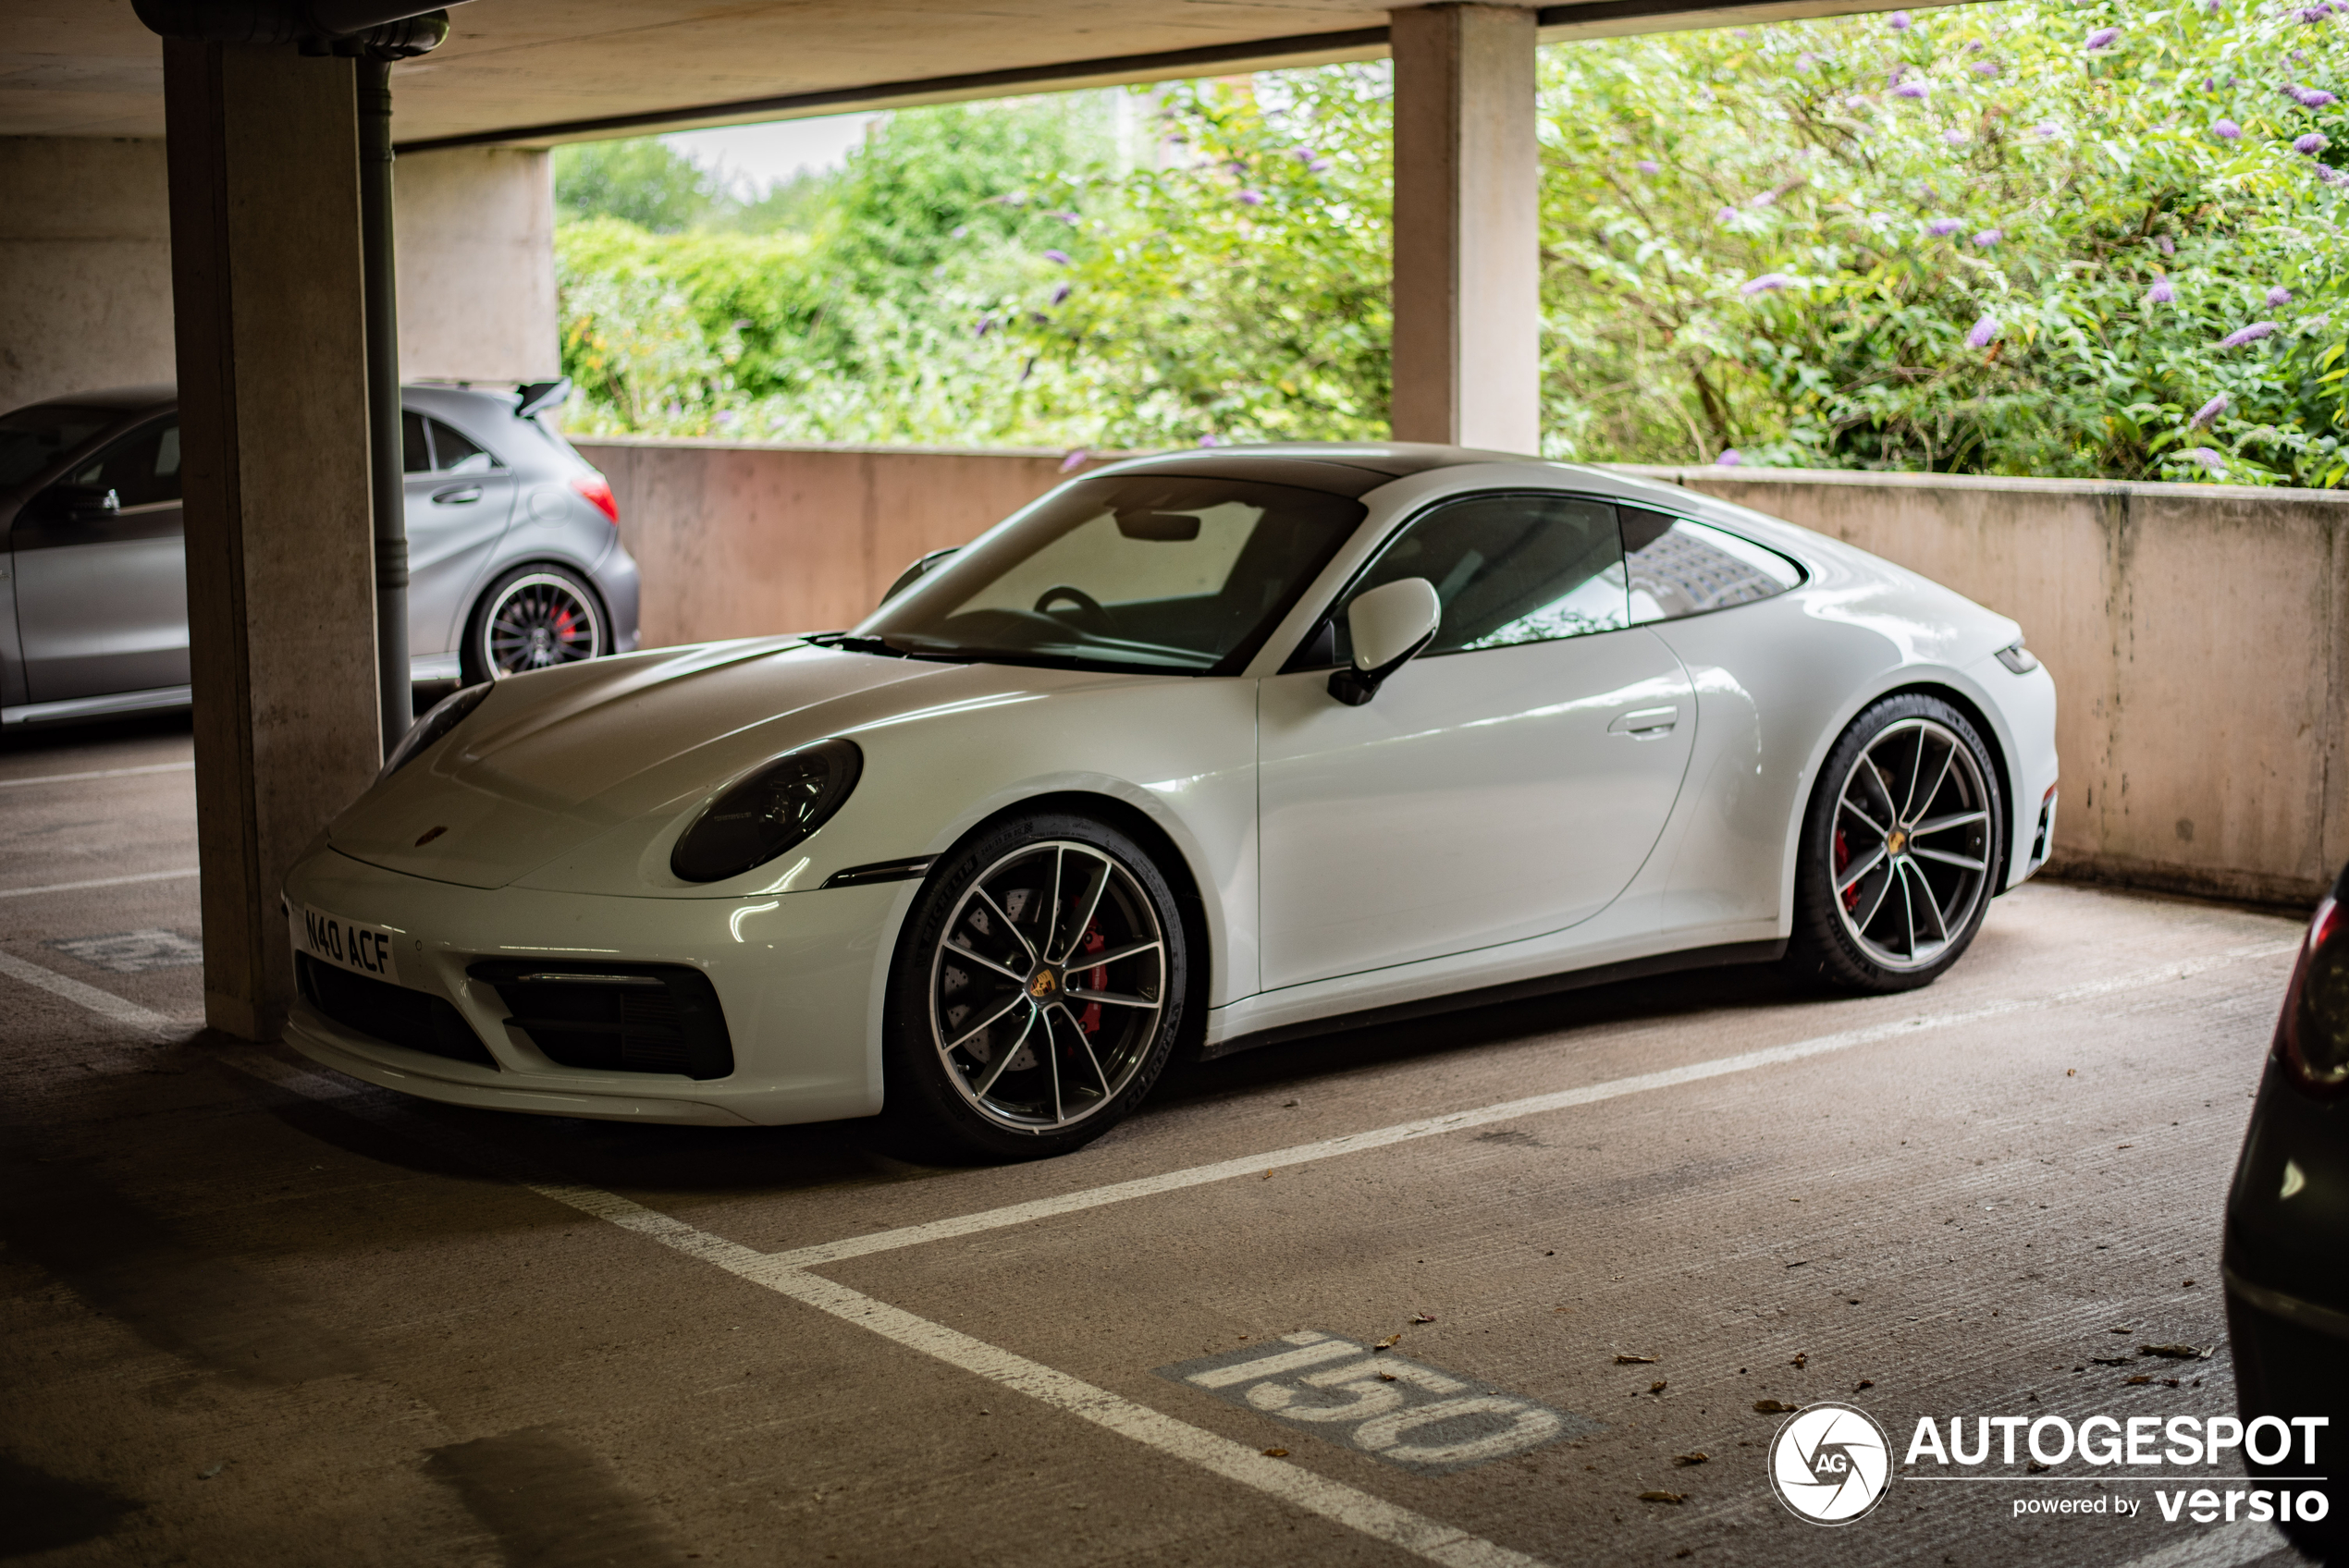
(2018, 238)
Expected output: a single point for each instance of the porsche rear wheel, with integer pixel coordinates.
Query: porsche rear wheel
(1899, 849)
(1038, 991)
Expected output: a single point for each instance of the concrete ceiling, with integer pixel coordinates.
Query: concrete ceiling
(539, 71)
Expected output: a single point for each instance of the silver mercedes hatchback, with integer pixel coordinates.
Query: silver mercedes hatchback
(513, 549)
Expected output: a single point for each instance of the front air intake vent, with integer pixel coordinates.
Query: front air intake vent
(616, 1017)
(415, 1021)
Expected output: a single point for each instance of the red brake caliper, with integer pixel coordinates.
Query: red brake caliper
(1842, 859)
(1096, 979)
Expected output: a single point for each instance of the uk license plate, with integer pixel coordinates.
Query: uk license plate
(346, 944)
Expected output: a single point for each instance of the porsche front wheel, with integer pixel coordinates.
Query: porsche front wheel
(1038, 991)
(1899, 849)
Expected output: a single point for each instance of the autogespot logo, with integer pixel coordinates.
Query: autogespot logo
(1830, 1463)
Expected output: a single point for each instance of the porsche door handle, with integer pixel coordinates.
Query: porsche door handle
(1645, 724)
(457, 497)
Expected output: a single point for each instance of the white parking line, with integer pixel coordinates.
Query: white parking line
(1294, 1484)
(104, 1004)
(1507, 1110)
(100, 773)
(101, 882)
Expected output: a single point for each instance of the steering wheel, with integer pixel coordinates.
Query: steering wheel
(1089, 609)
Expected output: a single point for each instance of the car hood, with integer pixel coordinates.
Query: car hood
(551, 760)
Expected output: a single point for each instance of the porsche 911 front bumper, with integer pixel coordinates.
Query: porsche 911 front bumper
(800, 979)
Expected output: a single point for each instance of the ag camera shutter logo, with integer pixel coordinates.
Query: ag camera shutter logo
(1830, 1464)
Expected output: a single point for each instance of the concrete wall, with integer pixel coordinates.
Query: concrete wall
(476, 243)
(2198, 635)
(85, 266)
(738, 539)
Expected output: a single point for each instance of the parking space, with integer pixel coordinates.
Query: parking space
(1514, 1284)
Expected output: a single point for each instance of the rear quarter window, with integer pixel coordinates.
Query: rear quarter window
(1678, 568)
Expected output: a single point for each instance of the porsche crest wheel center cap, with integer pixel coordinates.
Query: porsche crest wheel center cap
(1042, 983)
(1897, 842)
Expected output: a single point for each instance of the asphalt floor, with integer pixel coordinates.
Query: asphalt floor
(255, 1313)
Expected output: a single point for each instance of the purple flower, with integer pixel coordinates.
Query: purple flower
(1730, 458)
(1767, 282)
(2161, 293)
(2331, 176)
(1077, 457)
(1060, 295)
(1911, 89)
(2208, 460)
(2048, 130)
(1725, 215)
(1211, 441)
(1303, 155)
(2308, 146)
(1059, 256)
(2312, 13)
(1954, 137)
(2210, 84)
(1069, 219)
(2280, 296)
(1984, 67)
(2208, 412)
(2243, 335)
(1321, 165)
(1989, 237)
(1248, 198)
(2227, 130)
(985, 326)
(2309, 97)
(1898, 21)
(1805, 61)
(1646, 165)
(2103, 38)
(1944, 225)
(1977, 47)
(1985, 333)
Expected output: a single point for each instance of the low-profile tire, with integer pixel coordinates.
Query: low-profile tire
(534, 617)
(1037, 992)
(1900, 850)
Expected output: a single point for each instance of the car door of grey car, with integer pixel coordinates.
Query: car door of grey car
(101, 570)
(460, 498)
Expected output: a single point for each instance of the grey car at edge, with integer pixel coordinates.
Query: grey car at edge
(513, 546)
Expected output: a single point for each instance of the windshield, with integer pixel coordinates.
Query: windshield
(31, 439)
(1170, 572)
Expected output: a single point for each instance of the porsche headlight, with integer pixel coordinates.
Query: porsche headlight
(768, 812)
(438, 720)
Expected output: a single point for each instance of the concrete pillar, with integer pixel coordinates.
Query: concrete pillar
(476, 263)
(85, 266)
(265, 286)
(1467, 309)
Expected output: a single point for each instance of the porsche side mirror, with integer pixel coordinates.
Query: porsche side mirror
(1389, 625)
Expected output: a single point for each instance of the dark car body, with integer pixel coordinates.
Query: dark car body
(2287, 1239)
(95, 620)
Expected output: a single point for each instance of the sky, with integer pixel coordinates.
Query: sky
(751, 157)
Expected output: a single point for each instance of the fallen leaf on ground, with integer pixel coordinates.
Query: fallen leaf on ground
(1277, 1453)
(1388, 1342)
(208, 1474)
(1801, 1359)
(2140, 1377)
(1268, 1176)
(2120, 1329)
(1623, 1360)
(1863, 1383)
(1663, 1497)
(1422, 1318)
(2178, 1352)
(2110, 1360)
(2187, 1286)
(1697, 1458)
(1772, 1407)
(2071, 1072)
(1387, 1377)
(1656, 1387)
(2169, 1383)
(2037, 1468)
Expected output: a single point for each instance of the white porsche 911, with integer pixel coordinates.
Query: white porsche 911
(1195, 752)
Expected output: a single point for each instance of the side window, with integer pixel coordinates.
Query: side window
(1678, 568)
(452, 452)
(142, 468)
(1510, 570)
(415, 456)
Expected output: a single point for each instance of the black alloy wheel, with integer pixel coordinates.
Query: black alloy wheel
(535, 618)
(1899, 853)
(1039, 989)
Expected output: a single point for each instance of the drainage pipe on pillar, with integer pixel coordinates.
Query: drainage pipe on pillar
(387, 483)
